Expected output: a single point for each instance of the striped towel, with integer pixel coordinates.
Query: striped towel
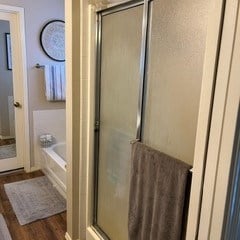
(55, 82)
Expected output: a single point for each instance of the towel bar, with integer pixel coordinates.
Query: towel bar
(39, 66)
(137, 140)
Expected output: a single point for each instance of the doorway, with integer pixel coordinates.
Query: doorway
(14, 137)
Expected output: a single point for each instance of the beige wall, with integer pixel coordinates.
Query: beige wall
(37, 13)
(6, 88)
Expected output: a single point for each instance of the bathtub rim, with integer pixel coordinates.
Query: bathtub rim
(58, 159)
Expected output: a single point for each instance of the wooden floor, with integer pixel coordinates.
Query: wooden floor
(7, 141)
(52, 228)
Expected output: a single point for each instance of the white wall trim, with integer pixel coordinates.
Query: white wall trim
(67, 236)
(99, 4)
(73, 104)
(10, 9)
(211, 54)
(27, 163)
(91, 235)
(21, 70)
(223, 127)
(35, 168)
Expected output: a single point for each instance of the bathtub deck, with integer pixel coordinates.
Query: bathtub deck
(53, 228)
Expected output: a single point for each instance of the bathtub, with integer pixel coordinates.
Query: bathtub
(54, 165)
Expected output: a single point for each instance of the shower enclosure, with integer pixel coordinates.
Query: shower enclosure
(150, 59)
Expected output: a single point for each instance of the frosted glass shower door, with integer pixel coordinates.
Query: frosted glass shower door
(119, 93)
(175, 71)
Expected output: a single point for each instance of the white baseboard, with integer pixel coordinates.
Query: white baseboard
(6, 137)
(67, 237)
(33, 169)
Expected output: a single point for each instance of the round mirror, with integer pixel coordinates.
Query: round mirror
(52, 39)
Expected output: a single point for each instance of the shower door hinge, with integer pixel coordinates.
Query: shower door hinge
(97, 126)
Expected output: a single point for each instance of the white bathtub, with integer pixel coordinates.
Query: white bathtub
(54, 165)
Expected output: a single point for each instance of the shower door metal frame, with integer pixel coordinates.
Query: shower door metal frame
(232, 209)
(142, 80)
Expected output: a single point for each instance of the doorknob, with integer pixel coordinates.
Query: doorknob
(17, 104)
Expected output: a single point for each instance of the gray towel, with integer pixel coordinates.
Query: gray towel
(4, 233)
(157, 195)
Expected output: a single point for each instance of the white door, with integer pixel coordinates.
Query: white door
(13, 137)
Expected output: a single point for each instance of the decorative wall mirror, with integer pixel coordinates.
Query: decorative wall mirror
(52, 40)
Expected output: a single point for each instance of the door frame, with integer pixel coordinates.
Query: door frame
(20, 77)
(222, 135)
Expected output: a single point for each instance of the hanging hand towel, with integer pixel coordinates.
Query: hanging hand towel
(55, 82)
(157, 195)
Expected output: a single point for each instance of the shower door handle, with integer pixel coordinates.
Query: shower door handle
(17, 104)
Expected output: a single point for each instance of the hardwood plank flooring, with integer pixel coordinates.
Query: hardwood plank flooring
(7, 141)
(52, 228)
